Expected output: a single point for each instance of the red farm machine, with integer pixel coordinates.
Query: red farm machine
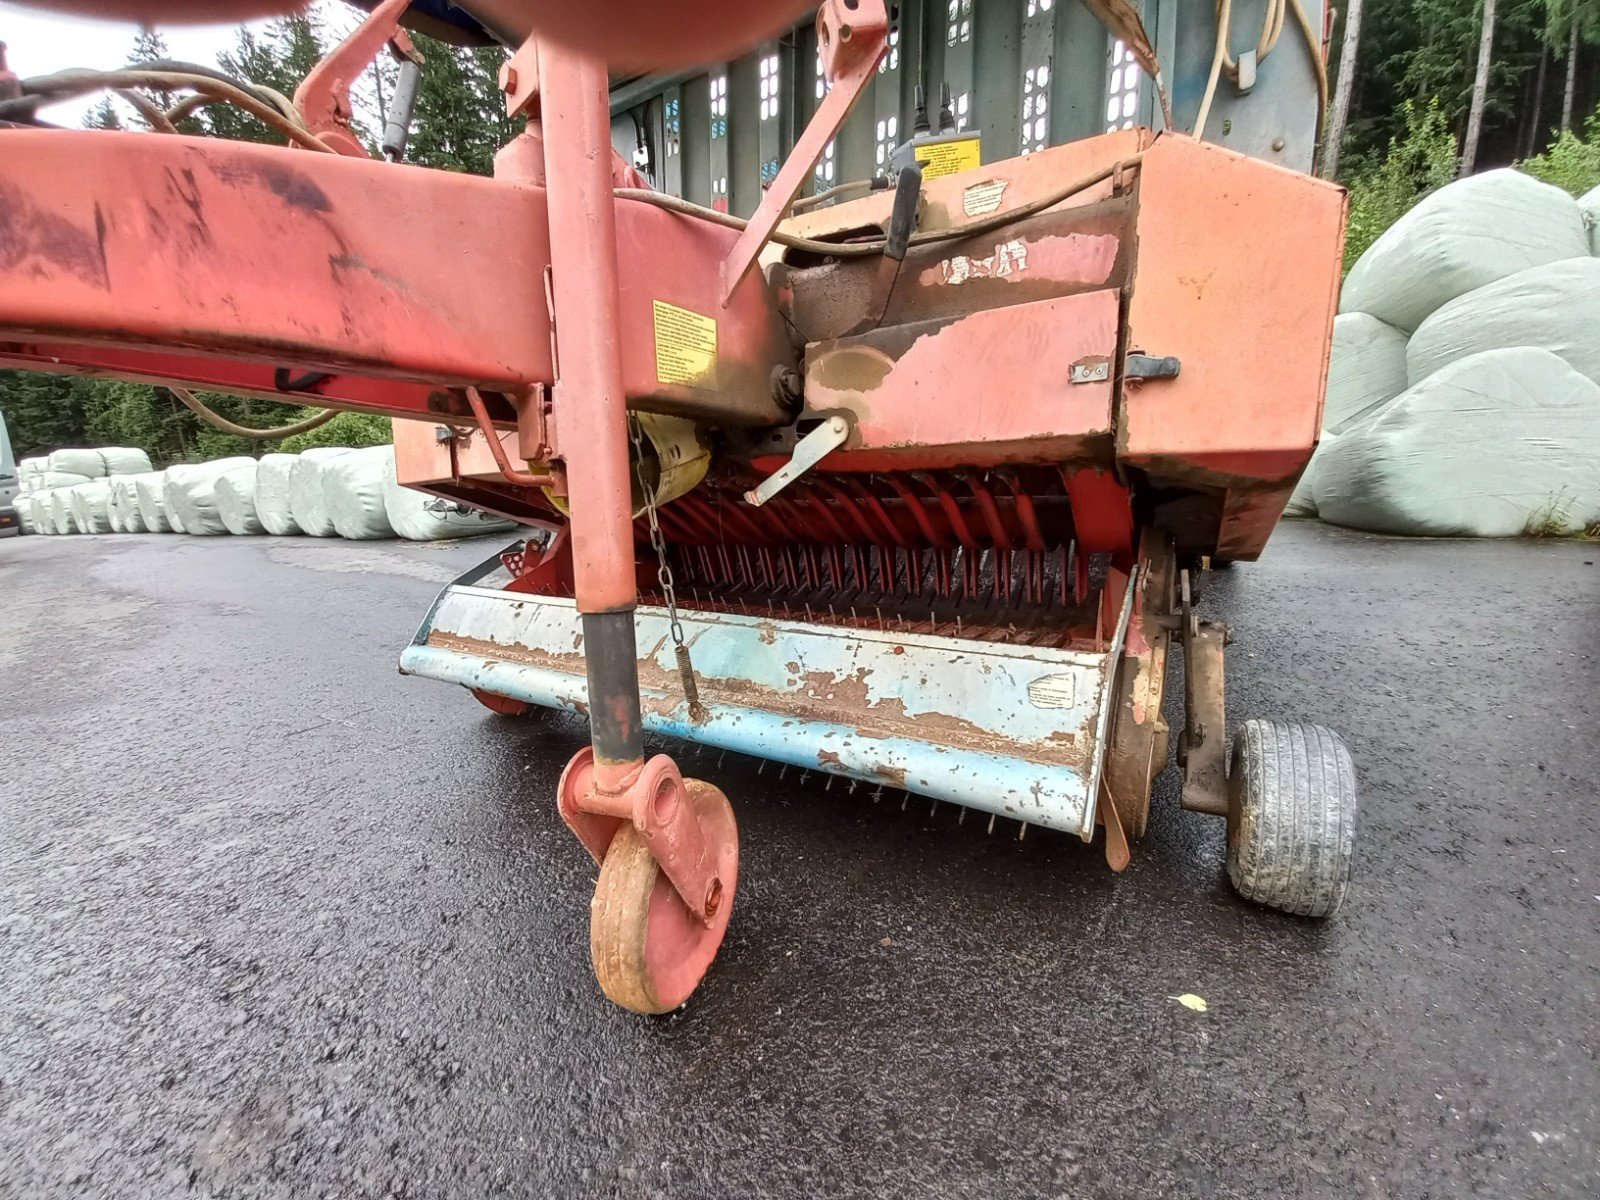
(915, 488)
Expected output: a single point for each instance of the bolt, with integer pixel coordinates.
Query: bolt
(713, 898)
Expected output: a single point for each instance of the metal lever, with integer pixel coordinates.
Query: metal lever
(808, 452)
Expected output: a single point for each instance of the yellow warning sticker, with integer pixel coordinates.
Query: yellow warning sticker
(686, 346)
(939, 159)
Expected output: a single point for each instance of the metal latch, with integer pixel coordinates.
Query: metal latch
(1145, 366)
(808, 452)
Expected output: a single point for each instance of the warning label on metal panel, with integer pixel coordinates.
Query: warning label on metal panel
(982, 198)
(939, 159)
(1051, 691)
(686, 346)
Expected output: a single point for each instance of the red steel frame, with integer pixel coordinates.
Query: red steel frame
(498, 311)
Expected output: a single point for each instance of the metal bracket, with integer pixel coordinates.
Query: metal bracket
(1094, 369)
(852, 36)
(808, 452)
(1247, 73)
(323, 97)
(656, 801)
(1203, 744)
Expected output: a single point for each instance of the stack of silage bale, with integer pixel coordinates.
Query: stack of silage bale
(69, 491)
(1464, 383)
(325, 491)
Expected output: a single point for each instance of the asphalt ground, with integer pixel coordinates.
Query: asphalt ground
(277, 922)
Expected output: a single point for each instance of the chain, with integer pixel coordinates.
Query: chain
(691, 688)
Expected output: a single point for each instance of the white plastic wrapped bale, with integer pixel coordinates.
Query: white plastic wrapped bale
(1366, 369)
(1466, 235)
(147, 491)
(29, 472)
(273, 472)
(125, 517)
(60, 508)
(1489, 446)
(1302, 501)
(125, 460)
(307, 500)
(91, 506)
(27, 502)
(190, 494)
(87, 463)
(353, 486)
(113, 513)
(1589, 203)
(413, 518)
(236, 501)
(51, 480)
(1555, 307)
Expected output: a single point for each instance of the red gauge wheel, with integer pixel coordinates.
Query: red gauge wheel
(506, 706)
(650, 952)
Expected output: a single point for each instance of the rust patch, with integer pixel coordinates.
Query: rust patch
(43, 242)
(818, 697)
(294, 188)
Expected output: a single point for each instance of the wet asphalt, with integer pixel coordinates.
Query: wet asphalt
(277, 922)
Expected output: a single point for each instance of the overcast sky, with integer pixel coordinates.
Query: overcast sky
(40, 42)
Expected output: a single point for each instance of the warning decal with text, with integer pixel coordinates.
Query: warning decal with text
(686, 346)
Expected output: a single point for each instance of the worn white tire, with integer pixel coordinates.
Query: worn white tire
(1292, 828)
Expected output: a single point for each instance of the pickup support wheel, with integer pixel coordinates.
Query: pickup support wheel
(506, 706)
(650, 952)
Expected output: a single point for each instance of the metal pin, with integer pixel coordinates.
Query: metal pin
(991, 823)
(905, 800)
(879, 611)
(763, 766)
(783, 770)
(958, 626)
(962, 819)
(852, 787)
(720, 757)
(934, 807)
(829, 788)
(1023, 832)
(878, 795)
(852, 613)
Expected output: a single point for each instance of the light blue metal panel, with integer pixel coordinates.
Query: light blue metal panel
(1277, 120)
(1014, 730)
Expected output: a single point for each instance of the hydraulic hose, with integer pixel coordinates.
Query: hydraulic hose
(197, 406)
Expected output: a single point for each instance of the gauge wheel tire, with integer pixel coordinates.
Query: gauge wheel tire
(649, 951)
(1292, 817)
(505, 706)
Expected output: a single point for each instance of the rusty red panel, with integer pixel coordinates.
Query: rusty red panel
(993, 387)
(671, 259)
(269, 255)
(1238, 277)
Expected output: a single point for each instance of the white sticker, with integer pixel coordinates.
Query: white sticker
(1009, 258)
(1051, 691)
(982, 198)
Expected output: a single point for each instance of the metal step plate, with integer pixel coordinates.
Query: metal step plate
(1018, 731)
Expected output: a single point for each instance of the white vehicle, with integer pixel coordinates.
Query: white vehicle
(10, 523)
